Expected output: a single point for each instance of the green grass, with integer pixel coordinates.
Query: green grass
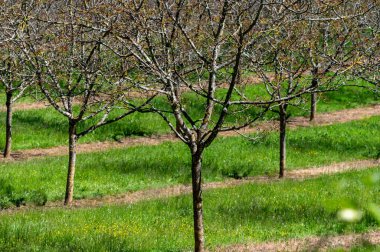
(46, 128)
(248, 213)
(361, 247)
(23, 99)
(346, 98)
(135, 168)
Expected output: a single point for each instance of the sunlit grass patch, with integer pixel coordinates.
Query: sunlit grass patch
(117, 171)
(46, 128)
(248, 213)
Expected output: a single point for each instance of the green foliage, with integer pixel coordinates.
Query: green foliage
(369, 183)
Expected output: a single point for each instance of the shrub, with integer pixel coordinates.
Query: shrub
(6, 191)
(18, 199)
(5, 202)
(9, 197)
(38, 197)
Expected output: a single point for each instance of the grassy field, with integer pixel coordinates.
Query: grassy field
(249, 213)
(135, 168)
(46, 128)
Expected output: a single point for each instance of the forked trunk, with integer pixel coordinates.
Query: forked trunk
(313, 99)
(8, 126)
(196, 168)
(282, 140)
(72, 161)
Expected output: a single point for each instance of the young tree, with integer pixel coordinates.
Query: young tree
(192, 46)
(14, 80)
(369, 49)
(14, 83)
(287, 88)
(81, 78)
(316, 36)
(288, 62)
(334, 37)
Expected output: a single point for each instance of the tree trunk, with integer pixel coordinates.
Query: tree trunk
(8, 126)
(72, 161)
(197, 201)
(282, 140)
(313, 99)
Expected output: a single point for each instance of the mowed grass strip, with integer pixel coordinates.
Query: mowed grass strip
(244, 214)
(118, 171)
(45, 128)
(364, 247)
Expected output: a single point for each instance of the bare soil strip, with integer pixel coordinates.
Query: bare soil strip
(89, 147)
(322, 119)
(26, 106)
(314, 243)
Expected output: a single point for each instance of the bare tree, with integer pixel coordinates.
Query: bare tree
(13, 78)
(334, 38)
(369, 49)
(81, 78)
(316, 36)
(286, 59)
(14, 83)
(196, 47)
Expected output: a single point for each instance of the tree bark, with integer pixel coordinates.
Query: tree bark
(72, 161)
(8, 125)
(313, 99)
(282, 140)
(197, 201)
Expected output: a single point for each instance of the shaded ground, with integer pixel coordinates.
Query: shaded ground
(314, 243)
(322, 119)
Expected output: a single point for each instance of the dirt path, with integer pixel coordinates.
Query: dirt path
(26, 106)
(151, 194)
(340, 116)
(314, 243)
(322, 119)
(89, 147)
